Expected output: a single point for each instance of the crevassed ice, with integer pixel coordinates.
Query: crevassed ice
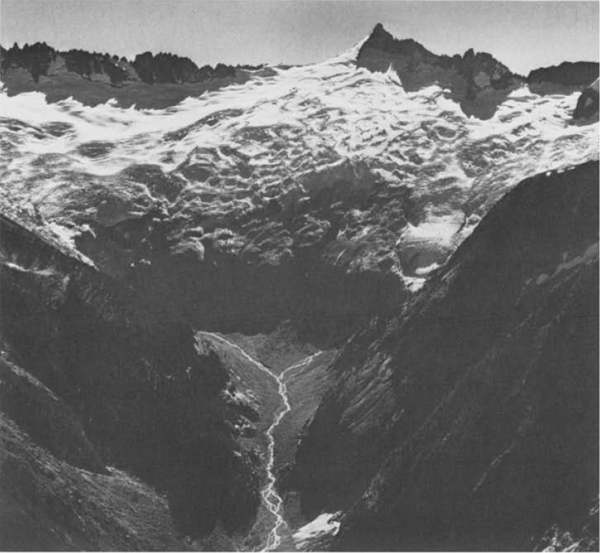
(295, 129)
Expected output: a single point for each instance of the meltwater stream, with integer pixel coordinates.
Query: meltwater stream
(271, 498)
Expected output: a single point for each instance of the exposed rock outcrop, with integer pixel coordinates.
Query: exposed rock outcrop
(480, 397)
(587, 104)
(477, 80)
(38, 59)
(94, 78)
(167, 68)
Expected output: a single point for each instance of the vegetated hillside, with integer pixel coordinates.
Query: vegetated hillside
(469, 420)
(92, 378)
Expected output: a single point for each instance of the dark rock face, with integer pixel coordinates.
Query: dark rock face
(469, 421)
(87, 64)
(123, 385)
(477, 80)
(580, 73)
(167, 68)
(37, 60)
(587, 103)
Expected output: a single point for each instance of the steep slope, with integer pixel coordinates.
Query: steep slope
(48, 504)
(469, 420)
(323, 194)
(46, 418)
(97, 378)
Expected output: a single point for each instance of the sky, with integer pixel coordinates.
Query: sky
(522, 35)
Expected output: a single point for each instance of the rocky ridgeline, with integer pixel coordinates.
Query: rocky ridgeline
(477, 80)
(40, 59)
(418, 67)
(147, 81)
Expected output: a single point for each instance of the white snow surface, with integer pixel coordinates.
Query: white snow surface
(286, 135)
(326, 524)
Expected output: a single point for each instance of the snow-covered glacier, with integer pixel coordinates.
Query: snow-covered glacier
(410, 172)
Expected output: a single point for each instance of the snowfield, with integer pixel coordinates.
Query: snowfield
(326, 524)
(286, 135)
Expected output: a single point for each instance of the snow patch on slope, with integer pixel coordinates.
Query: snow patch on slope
(589, 256)
(326, 524)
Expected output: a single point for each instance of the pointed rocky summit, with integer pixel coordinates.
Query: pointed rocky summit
(477, 80)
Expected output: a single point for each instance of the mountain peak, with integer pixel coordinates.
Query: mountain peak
(378, 29)
(465, 76)
(381, 39)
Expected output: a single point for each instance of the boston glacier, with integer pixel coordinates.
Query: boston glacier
(338, 306)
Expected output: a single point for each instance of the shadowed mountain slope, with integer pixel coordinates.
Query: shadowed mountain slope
(96, 378)
(470, 419)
